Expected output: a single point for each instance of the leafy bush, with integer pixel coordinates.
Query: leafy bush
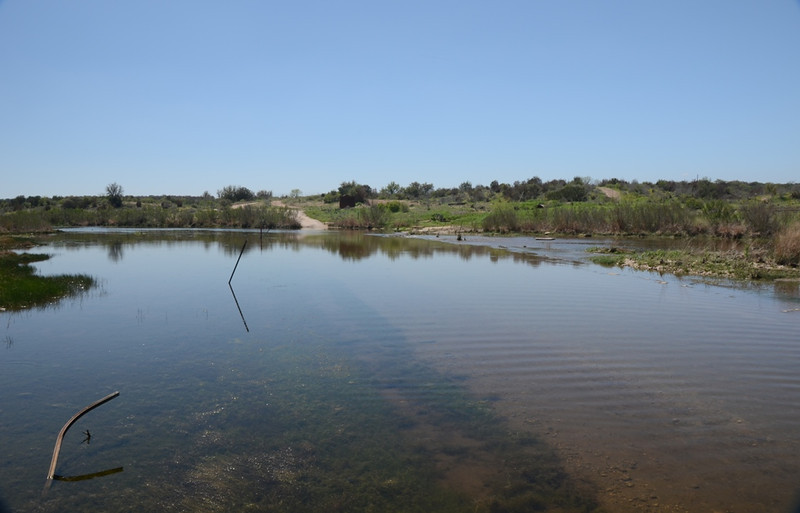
(760, 217)
(570, 192)
(397, 206)
(374, 216)
(234, 193)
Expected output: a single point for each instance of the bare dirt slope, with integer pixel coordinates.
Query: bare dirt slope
(307, 223)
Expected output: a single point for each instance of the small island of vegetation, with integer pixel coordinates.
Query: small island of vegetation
(21, 287)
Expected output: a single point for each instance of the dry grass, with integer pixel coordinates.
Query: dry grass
(787, 245)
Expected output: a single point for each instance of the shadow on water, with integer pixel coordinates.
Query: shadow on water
(93, 475)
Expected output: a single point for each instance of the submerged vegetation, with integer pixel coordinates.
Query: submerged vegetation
(21, 287)
(334, 426)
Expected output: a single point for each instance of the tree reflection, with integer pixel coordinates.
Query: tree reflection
(115, 251)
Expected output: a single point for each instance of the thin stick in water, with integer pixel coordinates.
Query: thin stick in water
(69, 423)
(237, 261)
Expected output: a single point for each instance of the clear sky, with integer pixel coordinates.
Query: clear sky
(187, 96)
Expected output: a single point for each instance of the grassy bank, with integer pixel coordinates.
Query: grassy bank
(21, 287)
(751, 264)
(766, 214)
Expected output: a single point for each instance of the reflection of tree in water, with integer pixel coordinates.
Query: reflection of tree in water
(115, 251)
(351, 246)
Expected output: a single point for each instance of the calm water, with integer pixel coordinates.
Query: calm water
(333, 373)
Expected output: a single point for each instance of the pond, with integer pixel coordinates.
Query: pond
(356, 372)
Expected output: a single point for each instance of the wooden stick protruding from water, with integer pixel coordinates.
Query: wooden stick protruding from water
(237, 261)
(69, 423)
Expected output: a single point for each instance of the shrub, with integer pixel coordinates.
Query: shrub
(501, 219)
(374, 216)
(397, 206)
(760, 217)
(570, 192)
(233, 193)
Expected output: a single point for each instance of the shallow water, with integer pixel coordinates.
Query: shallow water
(663, 394)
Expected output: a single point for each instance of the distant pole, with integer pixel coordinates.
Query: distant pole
(237, 261)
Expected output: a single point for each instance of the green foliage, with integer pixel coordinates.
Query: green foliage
(235, 193)
(331, 197)
(760, 217)
(397, 206)
(114, 194)
(416, 190)
(719, 264)
(373, 217)
(502, 218)
(21, 288)
(391, 189)
(361, 193)
(24, 221)
(570, 192)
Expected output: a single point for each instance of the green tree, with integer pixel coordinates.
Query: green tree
(360, 192)
(114, 194)
(391, 189)
(418, 190)
(234, 193)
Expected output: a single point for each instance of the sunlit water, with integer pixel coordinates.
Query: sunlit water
(663, 394)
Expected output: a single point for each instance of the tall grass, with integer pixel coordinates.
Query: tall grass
(364, 217)
(619, 218)
(24, 221)
(787, 245)
(152, 216)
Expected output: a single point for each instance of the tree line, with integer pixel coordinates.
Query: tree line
(579, 189)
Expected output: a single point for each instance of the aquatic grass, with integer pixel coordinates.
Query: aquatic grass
(608, 256)
(308, 428)
(21, 287)
(752, 264)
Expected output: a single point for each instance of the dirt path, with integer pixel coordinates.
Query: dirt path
(307, 223)
(611, 193)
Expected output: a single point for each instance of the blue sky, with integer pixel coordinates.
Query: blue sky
(187, 96)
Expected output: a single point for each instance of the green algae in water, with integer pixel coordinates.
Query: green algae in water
(21, 287)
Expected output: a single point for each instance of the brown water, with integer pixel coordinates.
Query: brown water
(662, 394)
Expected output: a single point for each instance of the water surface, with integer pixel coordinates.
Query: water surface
(333, 354)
